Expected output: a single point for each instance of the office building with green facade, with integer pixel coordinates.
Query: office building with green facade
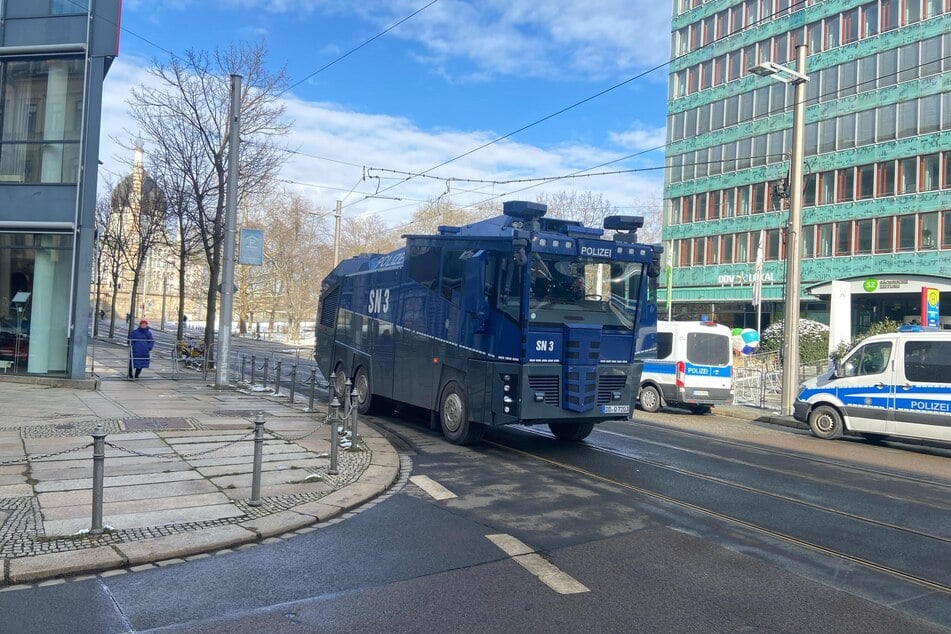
(877, 161)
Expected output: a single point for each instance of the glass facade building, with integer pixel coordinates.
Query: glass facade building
(877, 167)
(54, 55)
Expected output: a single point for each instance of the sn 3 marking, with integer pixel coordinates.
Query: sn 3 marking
(379, 301)
(544, 345)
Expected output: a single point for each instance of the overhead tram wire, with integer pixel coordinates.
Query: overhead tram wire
(596, 95)
(779, 110)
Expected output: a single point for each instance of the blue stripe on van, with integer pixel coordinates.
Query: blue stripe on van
(690, 369)
(655, 367)
(933, 399)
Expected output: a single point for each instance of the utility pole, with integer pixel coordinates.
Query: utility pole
(231, 229)
(337, 235)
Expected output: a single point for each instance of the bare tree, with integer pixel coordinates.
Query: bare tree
(367, 234)
(104, 260)
(587, 207)
(189, 111)
(429, 217)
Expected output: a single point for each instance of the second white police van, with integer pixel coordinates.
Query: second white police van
(693, 368)
(895, 384)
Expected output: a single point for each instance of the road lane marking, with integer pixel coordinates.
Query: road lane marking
(527, 558)
(433, 488)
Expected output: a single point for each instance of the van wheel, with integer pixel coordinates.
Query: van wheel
(649, 398)
(361, 385)
(826, 422)
(700, 409)
(454, 417)
(339, 380)
(571, 432)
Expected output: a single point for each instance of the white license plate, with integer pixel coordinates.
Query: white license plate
(701, 393)
(616, 409)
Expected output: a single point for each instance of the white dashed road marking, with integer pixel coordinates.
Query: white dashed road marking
(531, 561)
(433, 488)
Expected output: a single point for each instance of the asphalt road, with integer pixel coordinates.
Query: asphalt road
(668, 523)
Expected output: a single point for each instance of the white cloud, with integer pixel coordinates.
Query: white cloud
(384, 141)
(640, 137)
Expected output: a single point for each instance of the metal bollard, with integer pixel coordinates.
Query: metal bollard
(354, 397)
(293, 382)
(333, 417)
(258, 455)
(347, 390)
(98, 469)
(252, 370)
(264, 380)
(277, 378)
(313, 389)
(244, 360)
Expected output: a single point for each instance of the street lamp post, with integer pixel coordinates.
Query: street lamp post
(794, 230)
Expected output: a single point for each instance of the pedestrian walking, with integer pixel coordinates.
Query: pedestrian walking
(140, 345)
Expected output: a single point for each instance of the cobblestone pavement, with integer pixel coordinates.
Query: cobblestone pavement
(178, 469)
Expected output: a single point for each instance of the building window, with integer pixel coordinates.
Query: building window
(866, 181)
(912, 11)
(865, 128)
(698, 251)
(832, 32)
(728, 208)
(42, 121)
(870, 19)
(884, 238)
(947, 171)
(846, 188)
(929, 114)
(843, 238)
(686, 210)
(773, 245)
(930, 56)
(863, 234)
(946, 229)
(713, 206)
(886, 178)
(809, 242)
(742, 247)
(827, 135)
(908, 62)
(928, 239)
(825, 241)
(744, 200)
(930, 172)
(846, 132)
(908, 176)
(907, 233)
(826, 188)
(700, 208)
(890, 14)
(759, 198)
(907, 119)
(809, 190)
(850, 26)
(726, 249)
(713, 243)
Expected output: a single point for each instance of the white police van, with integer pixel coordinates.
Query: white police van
(895, 384)
(693, 368)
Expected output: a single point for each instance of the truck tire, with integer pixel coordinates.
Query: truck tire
(826, 422)
(649, 398)
(339, 380)
(366, 404)
(454, 417)
(571, 432)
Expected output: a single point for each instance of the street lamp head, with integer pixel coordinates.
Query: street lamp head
(779, 72)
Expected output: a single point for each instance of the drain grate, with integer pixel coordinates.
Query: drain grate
(156, 424)
(235, 413)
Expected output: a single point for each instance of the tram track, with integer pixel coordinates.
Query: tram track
(855, 467)
(784, 536)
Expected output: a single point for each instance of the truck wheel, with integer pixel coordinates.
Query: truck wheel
(571, 432)
(361, 385)
(454, 417)
(339, 380)
(649, 398)
(826, 422)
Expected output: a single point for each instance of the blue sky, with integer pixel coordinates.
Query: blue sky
(453, 77)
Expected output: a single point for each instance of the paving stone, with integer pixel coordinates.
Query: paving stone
(136, 506)
(16, 491)
(167, 517)
(353, 495)
(54, 564)
(320, 510)
(117, 481)
(210, 539)
(121, 494)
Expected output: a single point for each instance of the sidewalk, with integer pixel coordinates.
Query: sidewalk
(178, 465)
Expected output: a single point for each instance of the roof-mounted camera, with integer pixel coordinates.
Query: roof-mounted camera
(626, 226)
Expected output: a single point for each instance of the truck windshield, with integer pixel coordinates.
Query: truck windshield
(583, 289)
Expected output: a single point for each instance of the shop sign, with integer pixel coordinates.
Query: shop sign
(744, 279)
(872, 285)
(929, 307)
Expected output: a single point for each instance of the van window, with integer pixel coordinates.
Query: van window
(872, 358)
(665, 344)
(928, 361)
(704, 348)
